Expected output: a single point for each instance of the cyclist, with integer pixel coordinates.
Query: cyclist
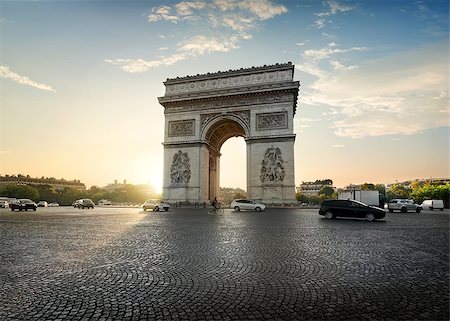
(215, 203)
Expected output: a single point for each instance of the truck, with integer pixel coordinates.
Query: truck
(368, 197)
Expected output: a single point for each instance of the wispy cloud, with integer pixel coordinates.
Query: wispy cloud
(6, 73)
(402, 94)
(337, 146)
(328, 51)
(141, 65)
(229, 22)
(333, 8)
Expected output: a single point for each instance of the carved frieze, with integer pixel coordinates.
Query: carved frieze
(229, 102)
(272, 166)
(267, 121)
(182, 128)
(180, 171)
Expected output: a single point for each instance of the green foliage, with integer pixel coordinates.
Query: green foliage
(398, 191)
(314, 199)
(20, 191)
(128, 194)
(327, 191)
(324, 181)
(432, 192)
(368, 187)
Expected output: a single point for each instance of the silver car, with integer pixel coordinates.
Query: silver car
(402, 205)
(244, 204)
(155, 205)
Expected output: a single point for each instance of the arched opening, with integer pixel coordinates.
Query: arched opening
(217, 133)
(233, 167)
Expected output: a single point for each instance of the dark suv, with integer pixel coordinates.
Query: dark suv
(350, 208)
(23, 204)
(85, 203)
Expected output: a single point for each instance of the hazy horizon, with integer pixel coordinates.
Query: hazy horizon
(80, 80)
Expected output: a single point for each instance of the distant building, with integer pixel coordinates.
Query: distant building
(227, 194)
(145, 188)
(313, 188)
(57, 184)
(352, 187)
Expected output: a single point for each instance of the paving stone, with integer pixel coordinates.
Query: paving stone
(124, 264)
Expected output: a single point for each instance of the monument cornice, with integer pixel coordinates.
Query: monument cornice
(261, 96)
(235, 72)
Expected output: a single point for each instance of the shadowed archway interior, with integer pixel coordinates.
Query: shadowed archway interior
(221, 131)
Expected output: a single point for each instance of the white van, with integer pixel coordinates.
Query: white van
(433, 205)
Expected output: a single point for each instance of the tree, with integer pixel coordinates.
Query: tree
(326, 190)
(20, 191)
(368, 187)
(398, 191)
(430, 192)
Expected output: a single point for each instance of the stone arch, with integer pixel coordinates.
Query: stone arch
(203, 111)
(219, 128)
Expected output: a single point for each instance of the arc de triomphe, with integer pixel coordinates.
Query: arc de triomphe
(203, 111)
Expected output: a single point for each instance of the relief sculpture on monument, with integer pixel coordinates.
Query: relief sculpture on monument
(181, 128)
(272, 166)
(180, 171)
(271, 121)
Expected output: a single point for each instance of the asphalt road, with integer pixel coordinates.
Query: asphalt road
(282, 264)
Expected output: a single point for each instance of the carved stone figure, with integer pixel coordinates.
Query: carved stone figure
(180, 172)
(272, 166)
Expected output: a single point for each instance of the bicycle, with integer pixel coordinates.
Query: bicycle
(216, 210)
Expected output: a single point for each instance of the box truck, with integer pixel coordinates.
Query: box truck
(368, 197)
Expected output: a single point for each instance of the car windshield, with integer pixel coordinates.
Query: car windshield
(358, 202)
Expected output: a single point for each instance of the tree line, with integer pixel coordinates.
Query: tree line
(418, 192)
(128, 194)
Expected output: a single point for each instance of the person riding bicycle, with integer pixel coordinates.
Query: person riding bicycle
(215, 203)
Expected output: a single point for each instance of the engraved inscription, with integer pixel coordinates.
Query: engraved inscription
(271, 121)
(272, 166)
(182, 128)
(180, 171)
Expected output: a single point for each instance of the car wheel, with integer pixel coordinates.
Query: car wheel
(156, 209)
(370, 217)
(258, 209)
(329, 215)
(237, 209)
(390, 211)
(34, 209)
(144, 208)
(404, 210)
(417, 210)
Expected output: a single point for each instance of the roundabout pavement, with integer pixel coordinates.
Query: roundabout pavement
(282, 264)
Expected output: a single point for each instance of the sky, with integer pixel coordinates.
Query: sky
(79, 82)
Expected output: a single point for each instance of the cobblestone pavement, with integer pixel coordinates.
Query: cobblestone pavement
(285, 264)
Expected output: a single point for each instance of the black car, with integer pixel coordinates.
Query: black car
(84, 203)
(350, 208)
(23, 204)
